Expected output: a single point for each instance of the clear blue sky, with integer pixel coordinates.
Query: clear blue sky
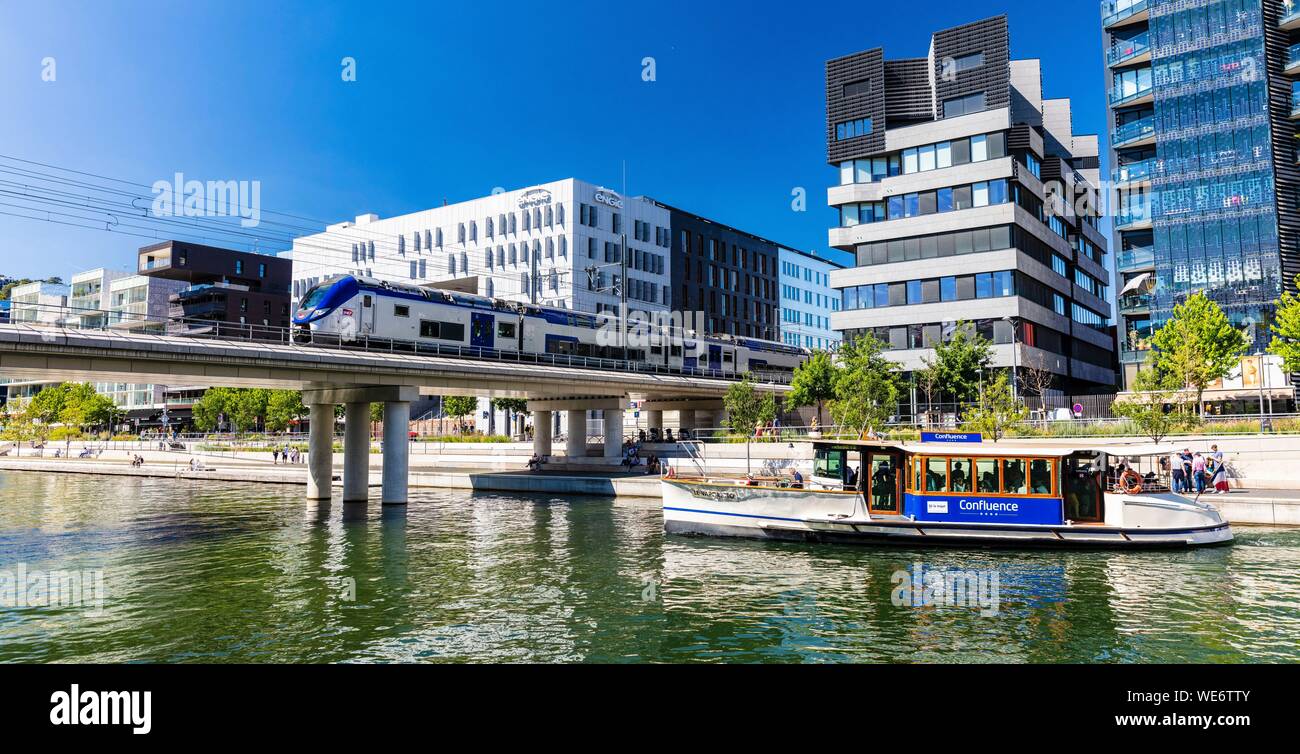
(452, 99)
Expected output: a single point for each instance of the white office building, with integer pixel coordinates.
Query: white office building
(139, 303)
(89, 299)
(807, 300)
(555, 244)
(39, 303)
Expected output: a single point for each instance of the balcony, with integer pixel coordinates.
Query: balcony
(1290, 15)
(1139, 96)
(1136, 258)
(1135, 50)
(1134, 357)
(1134, 302)
(1138, 133)
(1134, 218)
(1116, 13)
(1291, 66)
(1135, 172)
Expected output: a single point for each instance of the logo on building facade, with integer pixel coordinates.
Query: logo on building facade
(610, 198)
(534, 198)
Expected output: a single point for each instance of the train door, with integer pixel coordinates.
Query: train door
(715, 358)
(481, 333)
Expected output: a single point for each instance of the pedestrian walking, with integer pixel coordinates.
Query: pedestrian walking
(1198, 472)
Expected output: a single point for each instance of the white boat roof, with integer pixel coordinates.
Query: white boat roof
(1014, 448)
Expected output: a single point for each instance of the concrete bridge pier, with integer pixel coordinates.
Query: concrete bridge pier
(320, 451)
(356, 441)
(356, 452)
(397, 448)
(654, 420)
(613, 433)
(575, 442)
(542, 426)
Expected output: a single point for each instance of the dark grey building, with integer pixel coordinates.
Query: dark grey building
(231, 291)
(965, 196)
(727, 274)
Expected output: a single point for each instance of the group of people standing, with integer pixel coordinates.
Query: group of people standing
(1197, 472)
(288, 454)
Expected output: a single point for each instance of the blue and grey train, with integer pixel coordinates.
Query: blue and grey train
(352, 309)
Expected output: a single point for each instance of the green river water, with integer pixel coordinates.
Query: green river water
(231, 572)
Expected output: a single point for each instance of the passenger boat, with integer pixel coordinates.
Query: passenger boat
(954, 493)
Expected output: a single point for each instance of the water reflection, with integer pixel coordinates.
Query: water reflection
(245, 573)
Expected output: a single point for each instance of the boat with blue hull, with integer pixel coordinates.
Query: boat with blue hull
(952, 491)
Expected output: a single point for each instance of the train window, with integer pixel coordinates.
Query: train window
(505, 329)
(401, 311)
(656, 350)
(442, 330)
(366, 301)
(728, 357)
(674, 351)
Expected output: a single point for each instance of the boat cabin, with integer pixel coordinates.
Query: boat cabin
(968, 482)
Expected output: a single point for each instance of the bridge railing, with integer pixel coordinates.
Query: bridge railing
(52, 318)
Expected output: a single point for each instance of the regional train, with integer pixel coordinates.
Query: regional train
(353, 309)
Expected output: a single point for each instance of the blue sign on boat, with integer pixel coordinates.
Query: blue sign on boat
(952, 437)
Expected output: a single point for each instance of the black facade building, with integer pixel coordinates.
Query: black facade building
(725, 273)
(239, 288)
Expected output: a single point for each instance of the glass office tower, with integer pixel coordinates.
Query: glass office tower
(1203, 159)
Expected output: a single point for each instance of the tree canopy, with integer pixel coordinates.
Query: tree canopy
(1197, 345)
(813, 383)
(998, 411)
(866, 386)
(1156, 406)
(1286, 332)
(960, 360)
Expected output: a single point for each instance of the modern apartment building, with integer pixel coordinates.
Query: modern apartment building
(807, 300)
(1204, 101)
(221, 286)
(966, 197)
(39, 302)
(88, 300)
(141, 303)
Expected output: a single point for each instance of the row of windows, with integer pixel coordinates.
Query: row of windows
(970, 103)
(853, 128)
(982, 194)
(930, 291)
(942, 154)
(985, 476)
(907, 337)
(807, 274)
(716, 250)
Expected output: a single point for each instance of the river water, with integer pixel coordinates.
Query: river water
(230, 572)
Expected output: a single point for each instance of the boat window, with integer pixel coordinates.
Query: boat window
(986, 475)
(829, 463)
(1040, 476)
(936, 474)
(1013, 476)
(960, 477)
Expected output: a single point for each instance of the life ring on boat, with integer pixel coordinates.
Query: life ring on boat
(1130, 482)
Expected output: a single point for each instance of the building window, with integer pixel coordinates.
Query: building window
(856, 88)
(852, 129)
(239, 266)
(971, 103)
(967, 62)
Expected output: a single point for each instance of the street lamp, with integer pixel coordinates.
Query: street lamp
(1014, 357)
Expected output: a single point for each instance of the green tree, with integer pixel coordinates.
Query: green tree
(1197, 346)
(743, 405)
(210, 406)
(960, 361)
(927, 380)
(83, 407)
(997, 411)
(813, 383)
(457, 406)
(1157, 406)
(47, 405)
(867, 386)
(1286, 332)
(513, 407)
(282, 408)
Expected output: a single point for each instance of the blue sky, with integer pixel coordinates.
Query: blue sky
(453, 99)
